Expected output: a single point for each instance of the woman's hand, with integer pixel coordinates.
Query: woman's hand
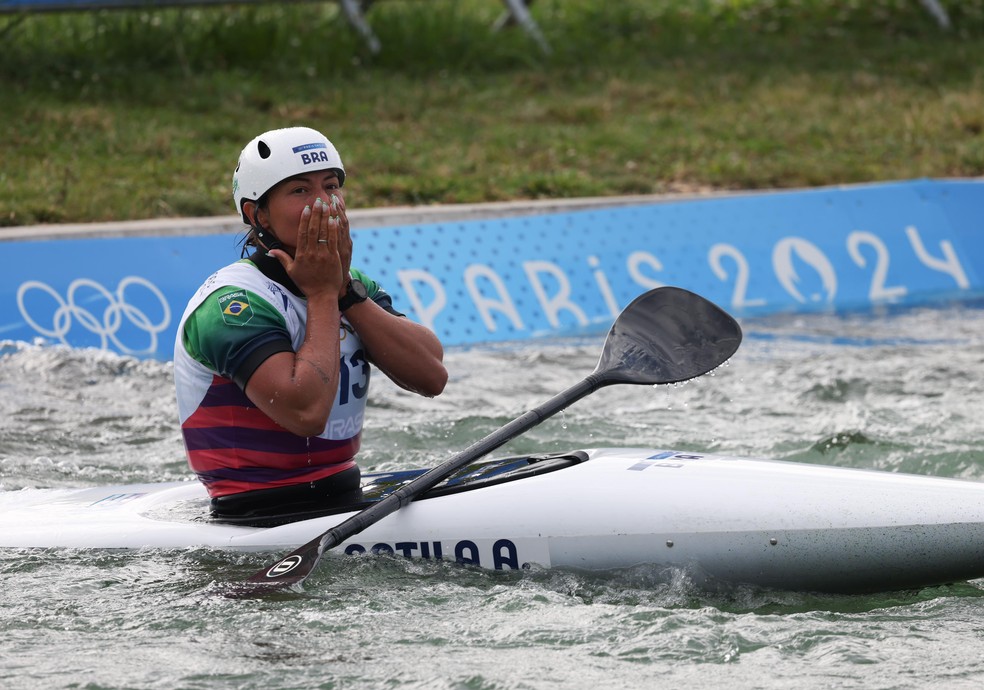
(323, 251)
(344, 238)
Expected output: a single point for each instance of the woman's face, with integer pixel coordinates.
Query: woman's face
(287, 200)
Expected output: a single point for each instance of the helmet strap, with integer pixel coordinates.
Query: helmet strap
(265, 237)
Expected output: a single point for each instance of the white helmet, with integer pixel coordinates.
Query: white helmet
(278, 154)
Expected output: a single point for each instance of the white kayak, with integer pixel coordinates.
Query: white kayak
(722, 519)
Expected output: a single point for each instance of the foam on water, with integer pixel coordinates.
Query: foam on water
(899, 393)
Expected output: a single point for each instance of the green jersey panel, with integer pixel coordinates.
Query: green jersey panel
(229, 325)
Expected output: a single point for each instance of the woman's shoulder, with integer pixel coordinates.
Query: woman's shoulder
(375, 291)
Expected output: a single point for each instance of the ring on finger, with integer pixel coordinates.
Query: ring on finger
(322, 241)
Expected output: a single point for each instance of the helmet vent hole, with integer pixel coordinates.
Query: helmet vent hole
(263, 149)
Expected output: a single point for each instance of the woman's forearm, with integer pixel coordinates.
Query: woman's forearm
(297, 390)
(408, 353)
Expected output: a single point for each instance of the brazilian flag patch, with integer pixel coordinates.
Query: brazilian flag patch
(235, 308)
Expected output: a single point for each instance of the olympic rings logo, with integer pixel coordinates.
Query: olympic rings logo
(107, 327)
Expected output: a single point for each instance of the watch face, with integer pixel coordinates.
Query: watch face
(355, 294)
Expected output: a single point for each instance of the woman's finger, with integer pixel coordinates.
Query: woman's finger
(304, 230)
(333, 234)
(324, 233)
(344, 236)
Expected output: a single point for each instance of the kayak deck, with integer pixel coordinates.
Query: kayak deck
(379, 485)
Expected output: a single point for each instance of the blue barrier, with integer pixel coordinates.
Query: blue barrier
(905, 243)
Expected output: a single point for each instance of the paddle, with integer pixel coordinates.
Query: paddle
(664, 336)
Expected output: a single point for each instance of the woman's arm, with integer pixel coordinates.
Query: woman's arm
(410, 354)
(297, 389)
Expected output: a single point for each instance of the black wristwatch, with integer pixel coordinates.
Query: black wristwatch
(355, 293)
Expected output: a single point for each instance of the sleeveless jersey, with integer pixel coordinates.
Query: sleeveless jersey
(237, 319)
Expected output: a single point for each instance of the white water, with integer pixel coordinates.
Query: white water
(899, 393)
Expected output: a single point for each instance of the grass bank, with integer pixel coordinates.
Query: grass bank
(119, 115)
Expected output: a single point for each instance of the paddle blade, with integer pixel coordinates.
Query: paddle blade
(667, 335)
(288, 572)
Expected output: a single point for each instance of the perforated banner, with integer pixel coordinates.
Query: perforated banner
(522, 277)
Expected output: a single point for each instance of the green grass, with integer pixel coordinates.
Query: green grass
(120, 115)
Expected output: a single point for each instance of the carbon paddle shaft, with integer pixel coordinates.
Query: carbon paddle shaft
(405, 494)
